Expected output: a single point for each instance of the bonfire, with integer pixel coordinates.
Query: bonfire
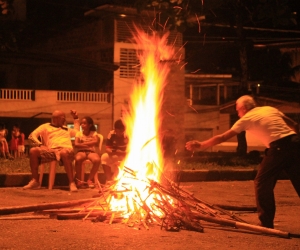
(142, 195)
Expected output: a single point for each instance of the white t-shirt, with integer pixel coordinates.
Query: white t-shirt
(86, 138)
(55, 137)
(265, 123)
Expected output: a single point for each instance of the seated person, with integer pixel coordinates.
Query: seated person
(4, 150)
(56, 145)
(116, 144)
(86, 142)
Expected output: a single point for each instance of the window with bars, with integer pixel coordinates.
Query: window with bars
(129, 63)
(124, 29)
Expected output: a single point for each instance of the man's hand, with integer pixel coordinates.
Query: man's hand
(74, 114)
(193, 145)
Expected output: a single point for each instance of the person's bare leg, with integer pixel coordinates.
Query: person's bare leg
(2, 153)
(115, 170)
(67, 159)
(79, 159)
(34, 155)
(95, 159)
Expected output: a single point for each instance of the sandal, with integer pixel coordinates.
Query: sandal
(80, 184)
(90, 184)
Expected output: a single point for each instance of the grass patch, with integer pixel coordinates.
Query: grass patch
(203, 162)
(211, 166)
(21, 165)
(219, 161)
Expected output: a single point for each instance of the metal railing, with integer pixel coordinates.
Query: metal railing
(219, 93)
(61, 96)
(17, 94)
(74, 96)
(290, 94)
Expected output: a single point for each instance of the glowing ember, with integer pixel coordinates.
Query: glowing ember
(144, 161)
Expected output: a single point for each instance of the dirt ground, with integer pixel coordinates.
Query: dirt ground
(78, 234)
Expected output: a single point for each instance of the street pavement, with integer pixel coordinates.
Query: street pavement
(45, 233)
(234, 174)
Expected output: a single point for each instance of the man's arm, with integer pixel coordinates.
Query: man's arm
(291, 123)
(76, 123)
(196, 145)
(35, 135)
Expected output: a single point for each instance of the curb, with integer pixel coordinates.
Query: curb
(19, 180)
(215, 175)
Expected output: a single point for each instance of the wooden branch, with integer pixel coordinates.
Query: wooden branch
(237, 208)
(111, 218)
(241, 225)
(30, 217)
(37, 207)
(76, 216)
(191, 195)
(182, 195)
(59, 211)
(188, 224)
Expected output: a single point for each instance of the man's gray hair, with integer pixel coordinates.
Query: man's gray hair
(247, 101)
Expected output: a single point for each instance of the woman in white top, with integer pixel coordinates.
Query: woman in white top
(86, 142)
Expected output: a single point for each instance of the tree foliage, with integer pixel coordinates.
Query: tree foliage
(173, 14)
(255, 13)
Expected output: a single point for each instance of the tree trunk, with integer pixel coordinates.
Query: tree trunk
(243, 89)
(242, 45)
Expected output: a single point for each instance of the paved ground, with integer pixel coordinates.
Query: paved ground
(78, 234)
(21, 179)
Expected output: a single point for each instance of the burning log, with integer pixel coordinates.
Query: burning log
(188, 198)
(178, 222)
(179, 209)
(173, 209)
(111, 218)
(209, 208)
(144, 222)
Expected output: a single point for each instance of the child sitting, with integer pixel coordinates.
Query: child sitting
(86, 142)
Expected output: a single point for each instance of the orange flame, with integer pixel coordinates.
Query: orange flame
(144, 160)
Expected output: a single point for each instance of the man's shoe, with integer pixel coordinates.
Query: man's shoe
(33, 184)
(73, 187)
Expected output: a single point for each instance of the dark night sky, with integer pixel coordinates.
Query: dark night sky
(212, 50)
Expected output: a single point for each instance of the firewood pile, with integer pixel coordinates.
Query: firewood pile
(165, 204)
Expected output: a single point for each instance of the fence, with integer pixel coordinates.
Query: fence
(17, 94)
(67, 96)
(62, 96)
